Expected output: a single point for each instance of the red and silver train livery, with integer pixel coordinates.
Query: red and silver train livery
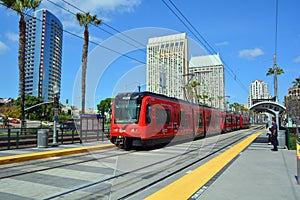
(146, 119)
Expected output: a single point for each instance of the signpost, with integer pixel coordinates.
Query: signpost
(55, 110)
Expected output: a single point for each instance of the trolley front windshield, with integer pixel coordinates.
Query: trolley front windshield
(127, 111)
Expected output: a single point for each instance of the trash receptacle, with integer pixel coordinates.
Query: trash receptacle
(42, 139)
(281, 139)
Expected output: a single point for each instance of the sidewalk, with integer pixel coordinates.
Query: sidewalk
(258, 173)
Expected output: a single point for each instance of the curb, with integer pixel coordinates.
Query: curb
(53, 153)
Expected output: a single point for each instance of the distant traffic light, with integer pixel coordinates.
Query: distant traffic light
(56, 102)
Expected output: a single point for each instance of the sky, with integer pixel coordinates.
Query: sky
(241, 31)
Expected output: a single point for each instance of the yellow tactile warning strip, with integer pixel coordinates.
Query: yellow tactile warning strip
(47, 154)
(186, 186)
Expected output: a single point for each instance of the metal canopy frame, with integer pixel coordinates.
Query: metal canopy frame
(271, 107)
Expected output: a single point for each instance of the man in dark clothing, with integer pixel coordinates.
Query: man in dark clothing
(274, 140)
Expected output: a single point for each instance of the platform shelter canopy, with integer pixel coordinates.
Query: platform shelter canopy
(271, 107)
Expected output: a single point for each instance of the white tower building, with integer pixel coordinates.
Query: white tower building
(259, 90)
(167, 65)
(209, 72)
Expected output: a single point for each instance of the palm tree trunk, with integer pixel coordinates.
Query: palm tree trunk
(21, 61)
(84, 66)
(196, 96)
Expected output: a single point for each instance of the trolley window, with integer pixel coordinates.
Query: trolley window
(184, 120)
(162, 116)
(199, 120)
(127, 111)
(148, 114)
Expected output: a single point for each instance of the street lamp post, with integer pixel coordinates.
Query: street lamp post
(55, 108)
(225, 102)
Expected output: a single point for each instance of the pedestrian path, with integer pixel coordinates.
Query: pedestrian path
(258, 173)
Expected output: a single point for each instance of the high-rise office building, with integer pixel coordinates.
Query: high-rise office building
(208, 71)
(259, 91)
(167, 65)
(43, 59)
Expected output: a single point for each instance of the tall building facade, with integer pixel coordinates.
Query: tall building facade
(259, 90)
(43, 59)
(167, 65)
(208, 71)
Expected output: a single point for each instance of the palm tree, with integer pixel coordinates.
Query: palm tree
(231, 106)
(188, 92)
(85, 20)
(296, 82)
(204, 97)
(210, 99)
(21, 7)
(244, 110)
(271, 71)
(237, 107)
(194, 84)
(227, 103)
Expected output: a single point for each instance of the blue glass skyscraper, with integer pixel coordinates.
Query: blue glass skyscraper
(43, 60)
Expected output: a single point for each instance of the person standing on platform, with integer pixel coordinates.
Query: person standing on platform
(274, 140)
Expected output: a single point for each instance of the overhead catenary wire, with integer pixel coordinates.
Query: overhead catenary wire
(276, 27)
(204, 42)
(132, 39)
(197, 35)
(275, 68)
(99, 27)
(92, 42)
(208, 47)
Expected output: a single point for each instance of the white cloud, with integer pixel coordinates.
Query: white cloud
(224, 43)
(251, 53)
(3, 47)
(94, 6)
(12, 36)
(62, 10)
(297, 60)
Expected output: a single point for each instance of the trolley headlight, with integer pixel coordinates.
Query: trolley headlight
(133, 130)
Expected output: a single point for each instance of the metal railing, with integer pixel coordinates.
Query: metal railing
(15, 138)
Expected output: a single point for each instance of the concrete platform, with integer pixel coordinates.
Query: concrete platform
(255, 173)
(258, 173)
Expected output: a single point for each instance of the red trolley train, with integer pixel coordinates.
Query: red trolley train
(146, 119)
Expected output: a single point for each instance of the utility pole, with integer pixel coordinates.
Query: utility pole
(275, 79)
(275, 64)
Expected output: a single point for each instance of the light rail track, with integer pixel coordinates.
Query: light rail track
(117, 186)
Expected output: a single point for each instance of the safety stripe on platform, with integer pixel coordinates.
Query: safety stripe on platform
(52, 153)
(189, 184)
